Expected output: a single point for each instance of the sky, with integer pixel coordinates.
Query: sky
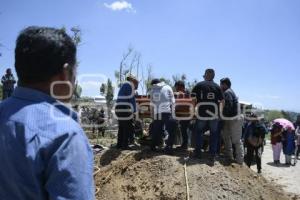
(256, 43)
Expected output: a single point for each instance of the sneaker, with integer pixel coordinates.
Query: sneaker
(259, 171)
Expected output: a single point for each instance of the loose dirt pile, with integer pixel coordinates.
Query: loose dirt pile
(145, 175)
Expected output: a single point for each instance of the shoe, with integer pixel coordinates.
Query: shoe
(182, 148)
(241, 163)
(196, 155)
(153, 148)
(168, 150)
(127, 148)
(212, 160)
(259, 171)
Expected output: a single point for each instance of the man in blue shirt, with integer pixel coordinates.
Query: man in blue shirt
(44, 152)
(125, 109)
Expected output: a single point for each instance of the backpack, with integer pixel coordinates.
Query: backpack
(256, 139)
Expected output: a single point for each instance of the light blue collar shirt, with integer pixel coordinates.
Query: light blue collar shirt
(44, 153)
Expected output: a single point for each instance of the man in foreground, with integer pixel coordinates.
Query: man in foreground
(44, 152)
(125, 109)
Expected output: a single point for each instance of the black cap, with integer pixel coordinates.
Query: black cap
(226, 81)
(155, 81)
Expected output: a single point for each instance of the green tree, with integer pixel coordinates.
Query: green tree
(287, 115)
(76, 35)
(78, 91)
(270, 115)
(109, 96)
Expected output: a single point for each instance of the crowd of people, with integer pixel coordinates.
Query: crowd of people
(242, 135)
(44, 151)
(283, 139)
(219, 113)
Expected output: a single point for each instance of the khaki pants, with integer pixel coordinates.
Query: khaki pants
(232, 133)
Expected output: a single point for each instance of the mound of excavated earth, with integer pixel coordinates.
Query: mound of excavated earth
(146, 175)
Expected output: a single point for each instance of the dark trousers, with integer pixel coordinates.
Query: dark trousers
(184, 125)
(214, 135)
(250, 154)
(7, 93)
(161, 123)
(125, 133)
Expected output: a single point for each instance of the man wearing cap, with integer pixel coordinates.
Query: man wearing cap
(125, 109)
(8, 81)
(232, 123)
(209, 96)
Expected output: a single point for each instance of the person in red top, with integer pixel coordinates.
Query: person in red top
(276, 141)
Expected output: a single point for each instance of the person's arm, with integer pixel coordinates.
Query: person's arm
(265, 131)
(69, 173)
(171, 96)
(3, 80)
(221, 100)
(13, 80)
(130, 89)
(247, 132)
(297, 131)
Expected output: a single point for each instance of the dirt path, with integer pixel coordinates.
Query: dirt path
(287, 177)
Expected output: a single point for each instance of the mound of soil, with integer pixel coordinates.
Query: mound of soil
(143, 175)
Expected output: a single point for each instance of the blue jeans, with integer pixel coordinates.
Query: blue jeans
(214, 138)
(169, 123)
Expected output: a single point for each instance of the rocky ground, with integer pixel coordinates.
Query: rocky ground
(143, 175)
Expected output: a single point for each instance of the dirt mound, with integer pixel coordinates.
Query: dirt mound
(146, 175)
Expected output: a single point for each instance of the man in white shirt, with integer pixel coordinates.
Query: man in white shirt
(162, 100)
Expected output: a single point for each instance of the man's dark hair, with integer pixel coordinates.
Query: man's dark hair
(226, 81)
(210, 73)
(155, 81)
(180, 84)
(41, 53)
(8, 69)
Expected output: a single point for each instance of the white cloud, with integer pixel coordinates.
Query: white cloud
(120, 5)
